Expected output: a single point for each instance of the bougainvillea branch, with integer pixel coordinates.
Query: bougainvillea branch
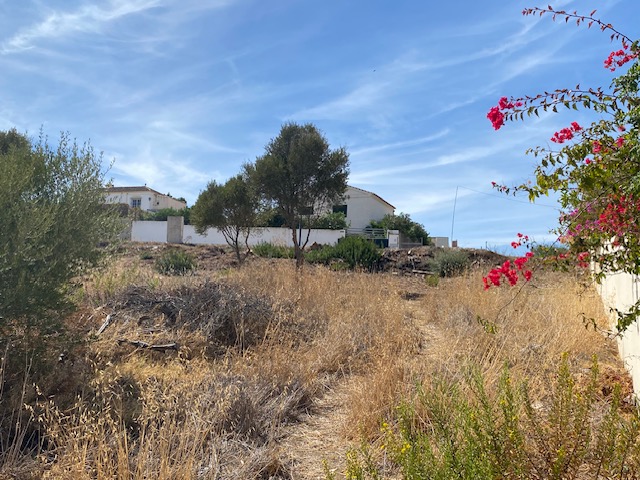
(596, 168)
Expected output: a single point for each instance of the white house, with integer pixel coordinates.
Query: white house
(361, 206)
(144, 198)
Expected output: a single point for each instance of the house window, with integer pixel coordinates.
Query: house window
(306, 210)
(136, 203)
(340, 209)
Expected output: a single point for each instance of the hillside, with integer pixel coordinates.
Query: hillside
(265, 372)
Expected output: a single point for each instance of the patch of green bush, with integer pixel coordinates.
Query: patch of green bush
(162, 214)
(549, 250)
(352, 252)
(357, 252)
(348, 253)
(451, 263)
(269, 250)
(322, 255)
(402, 222)
(460, 430)
(175, 262)
(330, 221)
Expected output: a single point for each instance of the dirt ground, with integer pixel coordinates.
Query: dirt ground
(404, 261)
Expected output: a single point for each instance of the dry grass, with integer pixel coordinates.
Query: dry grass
(263, 347)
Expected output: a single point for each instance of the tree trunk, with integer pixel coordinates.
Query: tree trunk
(297, 250)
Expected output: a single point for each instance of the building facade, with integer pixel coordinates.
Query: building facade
(144, 198)
(361, 207)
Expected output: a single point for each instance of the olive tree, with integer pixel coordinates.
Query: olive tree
(300, 176)
(53, 219)
(232, 208)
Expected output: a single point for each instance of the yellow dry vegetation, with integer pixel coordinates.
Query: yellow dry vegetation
(300, 366)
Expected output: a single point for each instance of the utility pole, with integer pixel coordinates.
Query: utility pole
(453, 217)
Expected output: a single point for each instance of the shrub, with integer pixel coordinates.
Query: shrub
(52, 221)
(450, 263)
(350, 252)
(412, 230)
(454, 430)
(269, 250)
(357, 252)
(549, 250)
(322, 255)
(330, 221)
(175, 262)
(162, 214)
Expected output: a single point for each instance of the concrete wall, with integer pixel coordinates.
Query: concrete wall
(440, 241)
(175, 229)
(620, 291)
(144, 231)
(149, 231)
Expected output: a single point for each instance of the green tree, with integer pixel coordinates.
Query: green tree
(269, 217)
(330, 221)
(412, 230)
(232, 208)
(300, 176)
(53, 220)
(162, 214)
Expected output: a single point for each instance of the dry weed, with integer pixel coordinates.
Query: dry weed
(261, 345)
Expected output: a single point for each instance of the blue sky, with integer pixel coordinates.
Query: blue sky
(179, 92)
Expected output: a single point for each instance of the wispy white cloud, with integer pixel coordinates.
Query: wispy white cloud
(394, 170)
(91, 18)
(163, 172)
(361, 97)
(88, 18)
(399, 145)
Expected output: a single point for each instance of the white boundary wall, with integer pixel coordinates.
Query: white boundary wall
(149, 231)
(619, 291)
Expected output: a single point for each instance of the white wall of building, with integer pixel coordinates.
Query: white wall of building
(148, 200)
(362, 207)
(620, 291)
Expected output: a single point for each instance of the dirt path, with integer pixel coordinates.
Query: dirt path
(319, 437)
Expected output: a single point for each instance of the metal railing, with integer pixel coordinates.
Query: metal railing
(371, 233)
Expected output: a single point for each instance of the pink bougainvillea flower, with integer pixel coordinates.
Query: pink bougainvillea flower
(504, 104)
(496, 117)
(618, 58)
(596, 147)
